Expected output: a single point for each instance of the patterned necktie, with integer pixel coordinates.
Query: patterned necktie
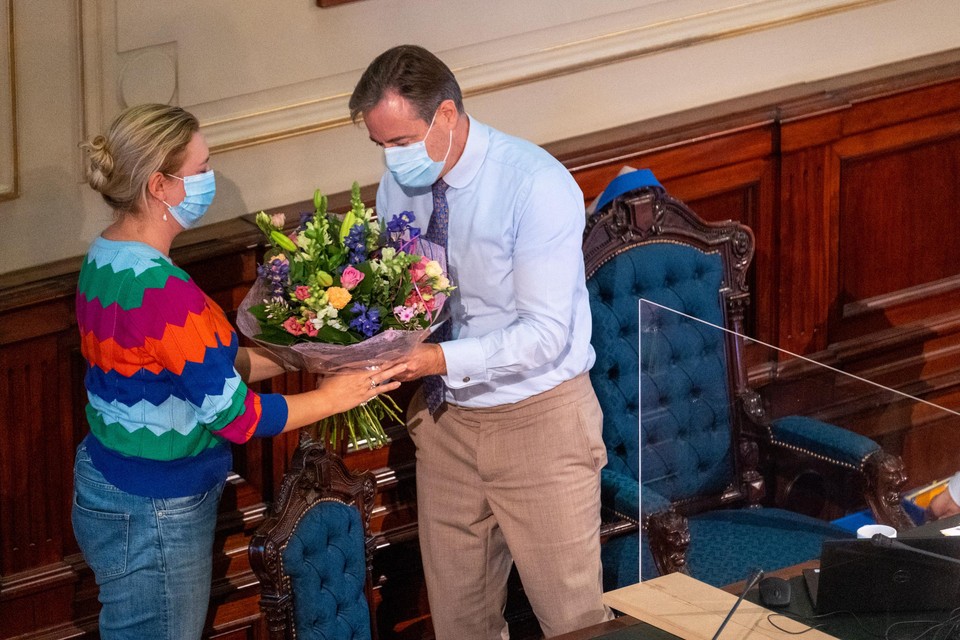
(433, 387)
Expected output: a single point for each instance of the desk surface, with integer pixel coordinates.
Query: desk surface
(629, 628)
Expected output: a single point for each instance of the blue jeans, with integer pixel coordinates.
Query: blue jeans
(152, 557)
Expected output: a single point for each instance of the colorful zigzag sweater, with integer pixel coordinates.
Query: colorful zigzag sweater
(165, 400)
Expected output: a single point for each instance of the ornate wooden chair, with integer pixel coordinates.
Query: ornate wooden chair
(708, 451)
(312, 554)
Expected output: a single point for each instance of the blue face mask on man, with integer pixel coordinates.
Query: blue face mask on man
(199, 190)
(412, 166)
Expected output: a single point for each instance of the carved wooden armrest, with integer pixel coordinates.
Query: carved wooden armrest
(669, 535)
(884, 478)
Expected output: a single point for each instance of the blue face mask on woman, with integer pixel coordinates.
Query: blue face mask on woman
(199, 190)
(412, 166)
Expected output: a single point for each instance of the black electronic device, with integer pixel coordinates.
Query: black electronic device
(867, 575)
(774, 592)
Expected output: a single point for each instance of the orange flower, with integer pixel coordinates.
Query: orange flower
(338, 297)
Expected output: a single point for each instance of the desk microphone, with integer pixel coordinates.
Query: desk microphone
(752, 579)
(882, 541)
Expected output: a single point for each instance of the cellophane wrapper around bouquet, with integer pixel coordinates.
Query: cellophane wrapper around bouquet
(344, 294)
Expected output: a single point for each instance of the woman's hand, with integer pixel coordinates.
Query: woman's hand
(338, 393)
(347, 390)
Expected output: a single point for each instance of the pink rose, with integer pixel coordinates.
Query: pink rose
(351, 277)
(419, 269)
(293, 326)
(302, 292)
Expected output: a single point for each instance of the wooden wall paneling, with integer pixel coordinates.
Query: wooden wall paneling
(34, 497)
(670, 160)
(745, 192)
(803, 255)
(899, 197)
(882, 293)
(730, 176)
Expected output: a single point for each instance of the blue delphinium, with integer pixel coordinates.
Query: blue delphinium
(356, 242)
(367, 321)
(305, 217)
(276, 272)
(398, 226)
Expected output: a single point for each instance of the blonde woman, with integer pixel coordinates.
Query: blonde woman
(166, 383)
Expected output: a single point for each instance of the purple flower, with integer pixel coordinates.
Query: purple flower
(367, 321)
(305, 217)
(357, 244)
(400, 222)
(397, 227)
(276, 272)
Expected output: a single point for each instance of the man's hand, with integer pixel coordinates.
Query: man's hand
(426, 359)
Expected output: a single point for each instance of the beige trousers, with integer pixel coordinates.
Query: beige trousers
(516, 483)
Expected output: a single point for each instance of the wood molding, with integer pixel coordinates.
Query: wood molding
(319, 103)
(9, 150)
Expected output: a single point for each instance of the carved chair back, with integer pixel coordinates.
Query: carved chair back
(648, 245)
(313, 555)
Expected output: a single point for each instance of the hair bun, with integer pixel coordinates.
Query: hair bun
(101, 162)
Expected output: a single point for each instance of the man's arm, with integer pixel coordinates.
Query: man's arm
(944, 504)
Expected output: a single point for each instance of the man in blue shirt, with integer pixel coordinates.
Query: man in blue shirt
(508, 462)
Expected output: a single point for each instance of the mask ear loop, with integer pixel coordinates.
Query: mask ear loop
(449, 140)
(164, 201)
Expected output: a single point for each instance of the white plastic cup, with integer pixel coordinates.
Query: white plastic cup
(867, 531)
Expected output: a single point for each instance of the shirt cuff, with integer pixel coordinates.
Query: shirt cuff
(273, 415)
(461, 356)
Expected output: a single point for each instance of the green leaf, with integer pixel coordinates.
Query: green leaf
(259, 311)
(335, 336)
(276, 335)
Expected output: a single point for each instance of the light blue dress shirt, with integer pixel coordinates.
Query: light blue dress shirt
(520, 314)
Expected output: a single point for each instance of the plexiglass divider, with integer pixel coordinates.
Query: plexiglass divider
(699, 383)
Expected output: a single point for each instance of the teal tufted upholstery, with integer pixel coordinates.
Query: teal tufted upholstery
(327, 566)
(729, 542)
(312, 554)
(685, 441)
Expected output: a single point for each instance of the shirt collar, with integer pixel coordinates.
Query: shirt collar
(474, 152)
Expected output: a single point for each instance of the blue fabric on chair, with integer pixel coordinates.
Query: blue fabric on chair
(823, 439)
(686, 430)
(326, 562)
(624, 183)
(728, 541)
(619, 559)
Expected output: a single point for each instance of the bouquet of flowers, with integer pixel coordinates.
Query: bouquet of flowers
(344, 294)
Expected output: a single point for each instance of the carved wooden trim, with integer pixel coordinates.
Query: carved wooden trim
(316, 475)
